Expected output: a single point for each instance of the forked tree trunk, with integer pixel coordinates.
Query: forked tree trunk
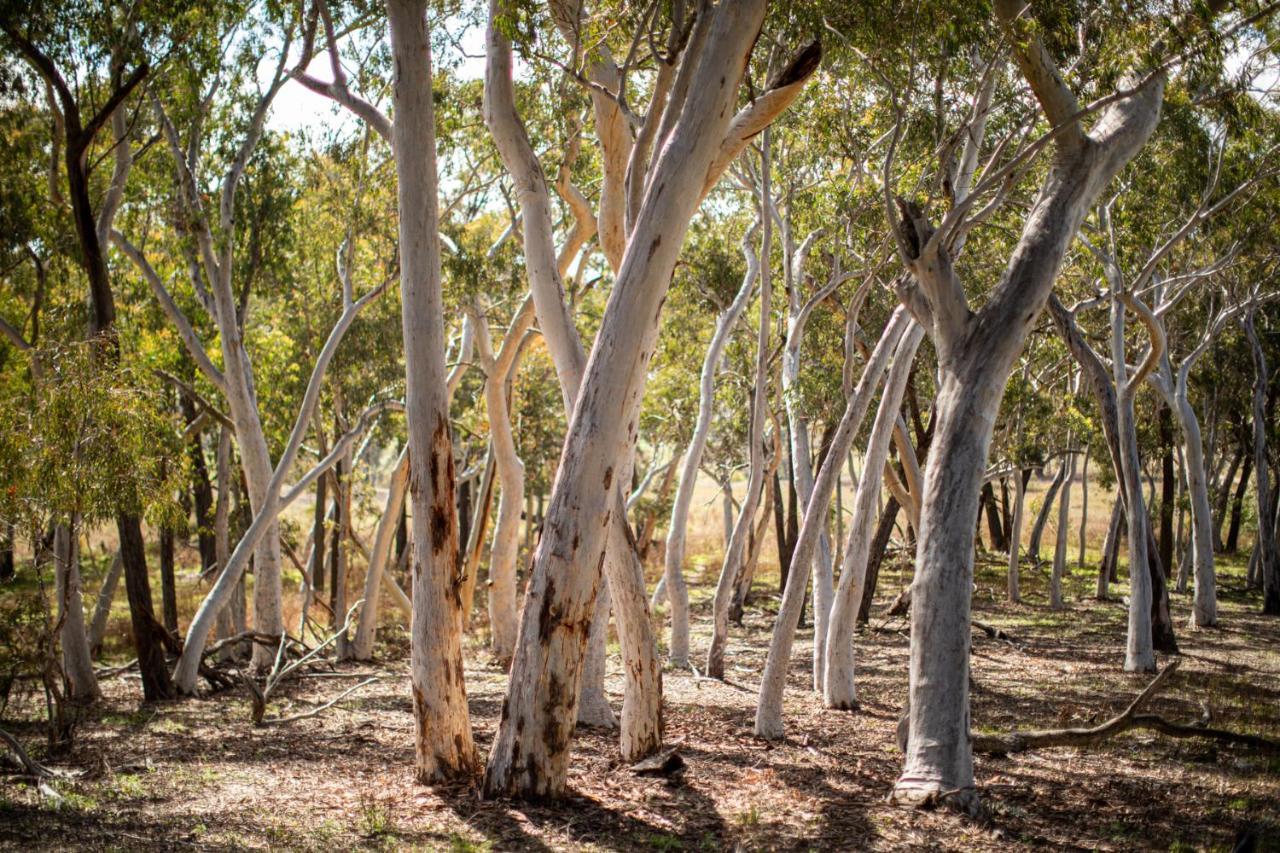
(976, 353)
(531, 748)
(839, 690)
(442, 740)
(506, 534)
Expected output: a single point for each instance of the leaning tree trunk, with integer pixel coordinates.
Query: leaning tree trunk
(443, 734)
(839, 690)
(102, 610)
(768, 722)
(366, 629)
(1046, 509)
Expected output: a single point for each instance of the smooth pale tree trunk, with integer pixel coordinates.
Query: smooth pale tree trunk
(1139, 652)
(1060, 535)
(976, 353)
(677, 530)
(227, 622)
(1084, 506)
(839, 690)
(366, 630)
(530, 751)
(77, 662)
(768, 722)
(735, 552)
(1268, 570)
(798, 429)
(1015, 537)
(506, 533)
(442, 742)
(102, 610)
(1204, 608)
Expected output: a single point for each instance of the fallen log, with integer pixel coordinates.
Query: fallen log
(1024, 741)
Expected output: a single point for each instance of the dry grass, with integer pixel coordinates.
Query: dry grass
(197, 774)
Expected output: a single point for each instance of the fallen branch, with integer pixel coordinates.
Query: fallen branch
(33, 767)
(1015, 742)
(275, 721)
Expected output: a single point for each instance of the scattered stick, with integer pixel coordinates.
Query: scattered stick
(1015, 742)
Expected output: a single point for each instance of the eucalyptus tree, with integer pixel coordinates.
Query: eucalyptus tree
(693, 138)
(92, 60)
(976, 352)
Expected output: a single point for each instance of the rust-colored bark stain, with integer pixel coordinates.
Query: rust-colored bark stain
(545, 623)
(608, 476)
(653, 247)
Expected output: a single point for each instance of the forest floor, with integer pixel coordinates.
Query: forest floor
(198, 774)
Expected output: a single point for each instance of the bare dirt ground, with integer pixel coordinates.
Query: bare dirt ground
(197, 774)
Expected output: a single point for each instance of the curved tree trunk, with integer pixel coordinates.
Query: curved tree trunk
(530, 751)
(976, 353)
(734, 555)
(1046, 509)
(677, 530)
